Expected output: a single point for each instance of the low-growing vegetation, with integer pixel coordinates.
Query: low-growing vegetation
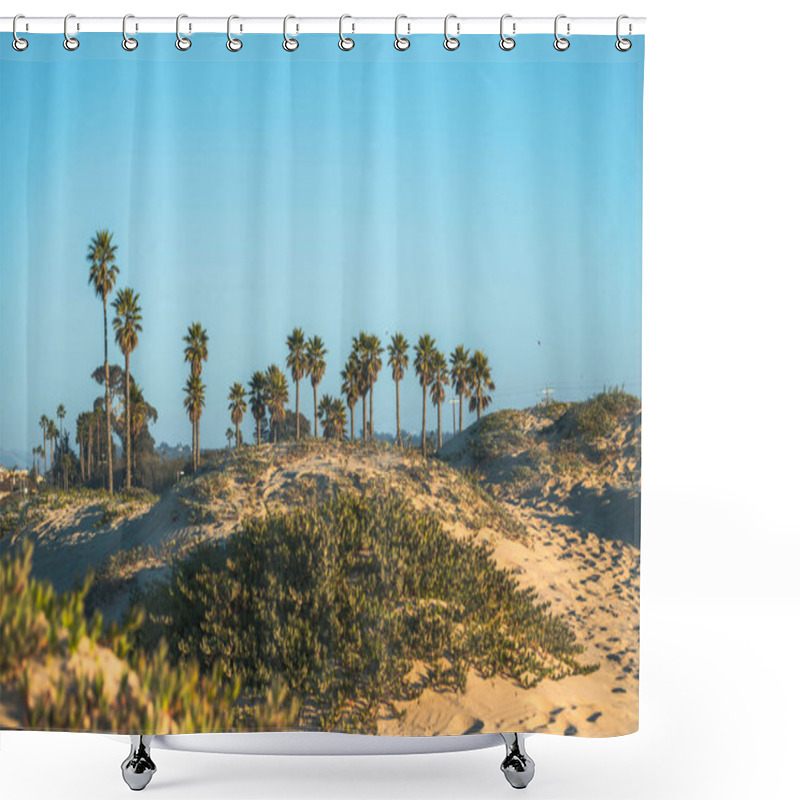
(343, 601)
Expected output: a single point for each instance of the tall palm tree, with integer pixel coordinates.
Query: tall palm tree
(459, 374)
(44, 424)
(229, 434)
(276, 397)
(315, 365)
(194, 403)
(480, 382)
(351, 389)
(425, 350)
(371, 350)
(196, 352)
(61, 412)
(52, 435)
(103, 272)
(127, 326)
(357, 357)
(439, 379)
(398, 361)
(237, 405)
(297, 362)
(258, 387)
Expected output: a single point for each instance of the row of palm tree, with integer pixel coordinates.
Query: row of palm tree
(267, 392)
(195, 353)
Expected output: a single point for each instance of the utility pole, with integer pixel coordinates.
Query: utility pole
(547, 392)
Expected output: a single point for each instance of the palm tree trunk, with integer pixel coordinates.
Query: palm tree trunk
(314, 385)
(127, 421)
(258, 430)
(424, 409)
(364, 417)
(439, 424)
(480, 402)
(352, 423)
(238, 441)
(371, 418)
(297, 409)
(397, 405)
(51, 454)
(108, 398)
(44, 449)
(460, 412)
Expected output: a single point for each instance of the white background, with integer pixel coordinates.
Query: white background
(720, 706)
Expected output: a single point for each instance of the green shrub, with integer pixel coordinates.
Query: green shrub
(342, 600)
(597, 417)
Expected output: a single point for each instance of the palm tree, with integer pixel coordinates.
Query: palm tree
(398, 361)
(61, 412)
(333, 414)
(276, 397)
(127, 326)
(357, 358)
(141, 413)
(196, 352)
(371, 350)
(258, 386)
(194, 402)
(52, 435)
(229, 434)
(81, 431)
(315, 366)
(35, 451)
(297, 361)
(439, 379)
(351, 389)
(103, 272)
(425, 350)
(459, 374)
(44, 424)
(480, 380)
(237, 405)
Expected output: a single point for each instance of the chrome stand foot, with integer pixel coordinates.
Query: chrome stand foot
(138, 768)
(517, 766)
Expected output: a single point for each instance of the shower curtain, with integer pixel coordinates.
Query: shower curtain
(320, 385)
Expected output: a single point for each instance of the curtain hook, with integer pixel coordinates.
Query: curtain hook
(70, 42)
(561, 43)
(450, 42)
(18, 43)
(506, 42)
(345, 42)
(128, 42)
(623, 45)
(400, 42)
(233, 44)
(289, 44)
(181, 42)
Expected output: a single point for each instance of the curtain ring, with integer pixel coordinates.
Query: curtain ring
(506, 42)
(561, 43)
(289, 44)
(181, 42)
(623, 45)
(70, 42)
(18, 43)
(233, 44)
(128, 42)
(345, 42)
(400, 42)
(450, 42)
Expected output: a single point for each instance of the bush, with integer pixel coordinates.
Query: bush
(344, 599)
(597, 417)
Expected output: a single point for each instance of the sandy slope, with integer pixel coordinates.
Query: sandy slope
(591, 579)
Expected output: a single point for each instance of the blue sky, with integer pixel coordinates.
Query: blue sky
(489, 198)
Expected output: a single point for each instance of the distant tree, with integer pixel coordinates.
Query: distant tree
(459, 375)
(425, 350)
(44, 424)
(333, 414)
(103, 272)
(127, 327)
(61, 412)
(315, 363)
(276, 397)
(52, 435)
(398, 361)
(196, 352)
(439, 380)
(351, 389)
(142, 414)
(194, 403)
(297, 362)
(237, 405)
(480, 382)
(229, 434)
(371, 362)
(258, 387)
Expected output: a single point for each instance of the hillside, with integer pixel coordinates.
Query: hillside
(536, 487)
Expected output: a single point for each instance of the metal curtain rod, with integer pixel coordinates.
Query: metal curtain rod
(408, 25)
